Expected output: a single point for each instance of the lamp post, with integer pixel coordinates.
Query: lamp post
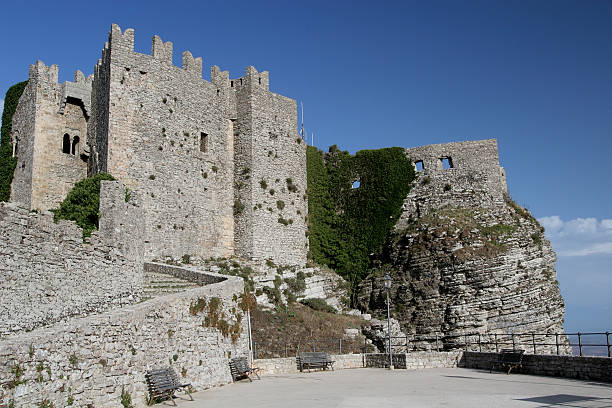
(387, 280)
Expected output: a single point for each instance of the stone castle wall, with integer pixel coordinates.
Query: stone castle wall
(270, 173)
(170, 138)
(91, 360)
(475, 179)
(49, 274)
(49, 115)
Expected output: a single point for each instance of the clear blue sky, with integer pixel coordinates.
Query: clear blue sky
(536, 75)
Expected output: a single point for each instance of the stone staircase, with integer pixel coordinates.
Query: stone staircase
(160, 284)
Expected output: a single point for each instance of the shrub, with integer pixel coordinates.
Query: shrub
(82, 203)
(318, 304)
(280, 204)
(126, 398)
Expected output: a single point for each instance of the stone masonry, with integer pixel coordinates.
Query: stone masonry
(466, 261)
(219, 166)
(49, 274)
(50, 137)
(91, 361)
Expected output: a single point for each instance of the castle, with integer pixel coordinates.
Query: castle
(219, 166)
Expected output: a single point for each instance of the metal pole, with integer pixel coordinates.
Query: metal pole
(533, 341)
(479, 344)
(285, 349)
(254, 350)
(314, 345)
(389, 331)
(252, 353)
(608, 343)
(557, 342)
(496, 349)
(580, 343)
(437, 345)
(340, 346)
(513, 342)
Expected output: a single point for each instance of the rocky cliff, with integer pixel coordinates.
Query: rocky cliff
(466, 260)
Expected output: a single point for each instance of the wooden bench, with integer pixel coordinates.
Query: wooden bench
(508, 358)
(314, 359)
(240, 368)
(163, 383)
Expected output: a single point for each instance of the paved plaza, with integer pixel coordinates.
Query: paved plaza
(371, 387)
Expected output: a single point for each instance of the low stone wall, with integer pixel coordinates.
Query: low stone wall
(584, 368)
(49, 274)
(88, 362)
(416, 360)
(186, 273)
(288, 365)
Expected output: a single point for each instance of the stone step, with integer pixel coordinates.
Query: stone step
(159, 284)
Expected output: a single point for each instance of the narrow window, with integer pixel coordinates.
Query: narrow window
(232, 84)
(356, 184)
(203, 142)
(259, 80)
(16, 148)
(447, 163)
(75, 146)
(418, 165)
(66, 144)
(217, 92)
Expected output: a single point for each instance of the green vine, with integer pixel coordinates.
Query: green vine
(348, 224)
(7, 161)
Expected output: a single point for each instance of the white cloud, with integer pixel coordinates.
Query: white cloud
(1, 107)
(580, 236)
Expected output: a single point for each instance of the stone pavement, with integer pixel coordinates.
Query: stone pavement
(372, 387)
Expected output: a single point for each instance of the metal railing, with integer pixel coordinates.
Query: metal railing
(583, 344)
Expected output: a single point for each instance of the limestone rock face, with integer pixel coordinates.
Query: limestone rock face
(466, 263)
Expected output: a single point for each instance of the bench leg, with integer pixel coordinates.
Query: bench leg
(188, 393)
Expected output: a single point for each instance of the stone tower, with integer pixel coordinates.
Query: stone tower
(50, 137)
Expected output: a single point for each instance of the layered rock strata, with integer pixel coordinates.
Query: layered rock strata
(468, 265)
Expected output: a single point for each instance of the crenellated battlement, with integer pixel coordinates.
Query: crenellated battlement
(161, 51)
(252, 78)
(192, 65)
(118, 39)
(39, 72)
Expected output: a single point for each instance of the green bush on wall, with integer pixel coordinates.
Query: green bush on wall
(348, 224)
(7, 161)
(82, 203)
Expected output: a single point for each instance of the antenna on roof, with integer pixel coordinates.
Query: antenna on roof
(302, 128)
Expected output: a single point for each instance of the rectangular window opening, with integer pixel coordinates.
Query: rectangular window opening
(447, 163)
(203, 142)
(418, 165)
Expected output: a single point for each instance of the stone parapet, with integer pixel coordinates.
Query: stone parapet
(584, 368)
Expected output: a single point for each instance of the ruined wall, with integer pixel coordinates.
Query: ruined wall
(475, 178)
(270, 174)
(168, 135)
(49, 274)
(464, 259)
(91, 360)
(51, 125)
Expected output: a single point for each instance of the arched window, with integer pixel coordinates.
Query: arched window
(66, 144)
(75, 145)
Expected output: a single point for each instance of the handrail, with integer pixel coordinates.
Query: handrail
(415, 342)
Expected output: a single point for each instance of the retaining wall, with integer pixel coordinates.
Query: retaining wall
(49, 274)
(584, 368)
(417, 360)
(87, 362)
(288, 365)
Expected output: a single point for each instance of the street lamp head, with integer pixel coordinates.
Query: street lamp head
(387, 279)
